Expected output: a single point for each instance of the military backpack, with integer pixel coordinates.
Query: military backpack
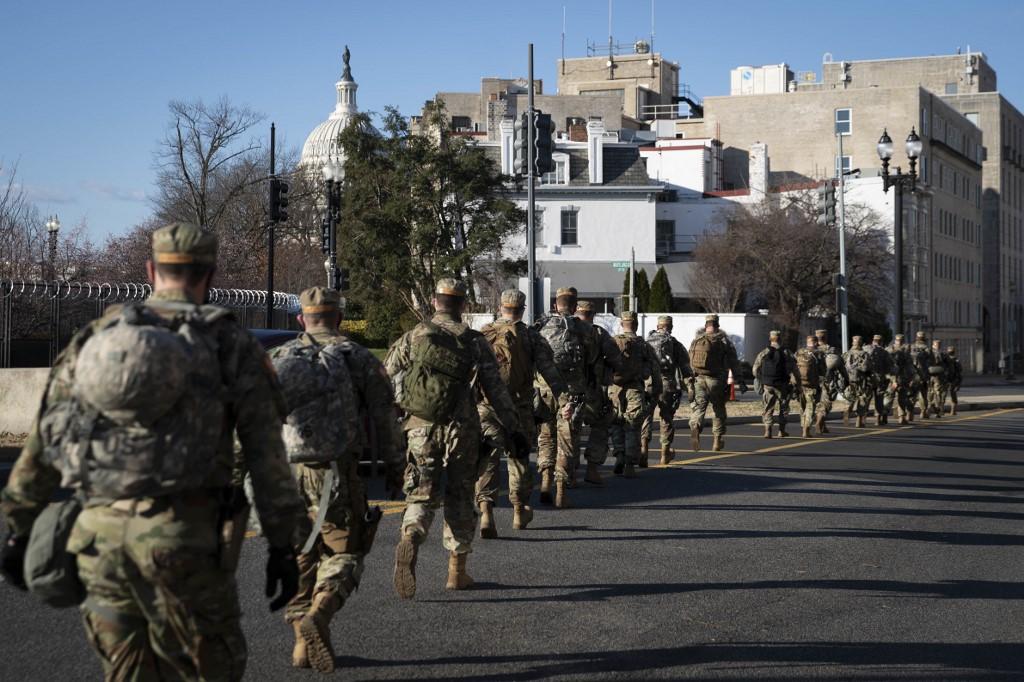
(317, 390)
(440, 371)
(566, 346)
(661, 344)
(807, 369)
(514, 363)
(707, 355)
(631, 366)
(858, 364)
(146, 409)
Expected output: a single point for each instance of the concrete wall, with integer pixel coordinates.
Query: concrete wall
(932, 73)
(748, 332)
(21, 391)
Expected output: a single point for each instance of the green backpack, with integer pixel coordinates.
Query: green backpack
(440, 372)
(631, 367)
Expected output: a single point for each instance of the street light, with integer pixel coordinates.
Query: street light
(902, 182)
(53, 228)
(334, 173)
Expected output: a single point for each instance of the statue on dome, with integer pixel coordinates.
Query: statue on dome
(345, 57)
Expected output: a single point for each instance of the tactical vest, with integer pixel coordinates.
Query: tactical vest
(147, 405)
(631, 366)
(439, 372)
(707, 356)
(773, 368)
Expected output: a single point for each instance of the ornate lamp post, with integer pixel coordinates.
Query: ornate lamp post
(902, 182)
(333, 176)
(52, 229)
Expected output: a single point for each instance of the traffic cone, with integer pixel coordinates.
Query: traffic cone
(732, 388)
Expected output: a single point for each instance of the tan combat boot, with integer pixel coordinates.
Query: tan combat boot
(860, 421)
(879, 420)
(821, 424)
(903, 417)
(952, 410)
(718, 443)
(521, 516)
(846, 418)
(593, 474)
(405, 567)
(768, 431)
(645, 445)
(488, 530)
(561, 496)
(695, 438)
(458, 579)
(782, 431)
(805, 432)
(545, 486)
(666, 455)
(299, 657)
(316, 630)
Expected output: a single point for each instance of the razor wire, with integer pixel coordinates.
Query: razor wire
(114, 292)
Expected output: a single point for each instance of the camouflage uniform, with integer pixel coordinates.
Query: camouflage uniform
(834, 379)
(675, 370)
(629, 396)
(919, 352)
(495, 443)
(161, 604)
(775, 391)
(901, 377)
(809, 386)
(450, 448)
(938, 384)
(598, 412)
(709, 387)
(860, 391)
(956, 378)
(881, 365)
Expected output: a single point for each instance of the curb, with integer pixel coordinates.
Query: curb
(962, 406)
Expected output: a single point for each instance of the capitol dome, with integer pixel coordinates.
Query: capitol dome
(322, 146)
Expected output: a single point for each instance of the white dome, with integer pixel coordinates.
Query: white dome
(322, 144)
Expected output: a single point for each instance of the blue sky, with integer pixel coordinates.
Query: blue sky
(84, 86)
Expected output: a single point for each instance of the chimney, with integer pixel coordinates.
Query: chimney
(507, 128)
(759, 169)
(595, 151)
(577, 130)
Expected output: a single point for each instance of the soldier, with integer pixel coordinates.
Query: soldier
(938, 378)
(434, 367)
(331, 563)
(859, 392)
(956, 378)
(881, 368)
(901, 378)
(572, 344)
(522, 353)
(920, 354)
(628, 394)
(808, 372)
(712, 356)
(774, 379)
(598, 413)
(675, 370)
(151, 539)
(834, 378)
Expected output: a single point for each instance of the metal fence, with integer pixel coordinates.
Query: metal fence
(73, 304)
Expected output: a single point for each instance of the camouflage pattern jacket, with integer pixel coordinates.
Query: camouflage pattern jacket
(255, 412)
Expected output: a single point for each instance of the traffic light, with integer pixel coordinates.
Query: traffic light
(827, 203)
(520, 146)
(325, 236)
(278, 200)
(544, 128)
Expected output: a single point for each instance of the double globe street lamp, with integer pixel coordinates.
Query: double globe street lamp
(334, 173)
(901, 182)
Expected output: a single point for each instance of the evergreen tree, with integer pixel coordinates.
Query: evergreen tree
(661, 293)
(642, 291)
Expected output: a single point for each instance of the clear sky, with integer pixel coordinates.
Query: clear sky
(84, 85)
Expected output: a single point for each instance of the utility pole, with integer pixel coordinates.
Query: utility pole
(270, 243)
(531, 255)
(843, 312)
(632, 279)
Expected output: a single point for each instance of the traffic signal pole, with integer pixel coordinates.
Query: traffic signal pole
(270, 244)
(843, 300)
(531, 255)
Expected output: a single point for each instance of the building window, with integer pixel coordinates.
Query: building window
(950, 88)
(559, 176)
(462, 123)
(538, 227)
(924, 121)
(845, 164)
(665, 236)
(570, 226)
(844, 121)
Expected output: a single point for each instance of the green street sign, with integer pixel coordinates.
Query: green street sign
(620, 265)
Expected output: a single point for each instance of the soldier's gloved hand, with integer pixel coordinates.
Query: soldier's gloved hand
(521, 446)
(283, 570)
(12, 560)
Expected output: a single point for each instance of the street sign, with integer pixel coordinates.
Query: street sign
(621, 265)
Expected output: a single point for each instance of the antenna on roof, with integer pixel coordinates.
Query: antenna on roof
(563, 40)
(652, 26)
(609, 28)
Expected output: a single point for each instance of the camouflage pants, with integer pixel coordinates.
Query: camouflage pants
(880, 391)
(953, 389)
(493, 446)
(859, 396)
(897, 399)
(937, 389)
(709, 390)
(808, 397)
(335, 563)
(630, 408)
(598, 414)
(159, 605)
(558, 441)
(775, 399)
(666, 413)
(825, 402)
(446, 451)
(921, 395)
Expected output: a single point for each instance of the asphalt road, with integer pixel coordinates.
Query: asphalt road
(873, 554)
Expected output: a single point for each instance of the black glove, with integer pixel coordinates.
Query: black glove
(12, 560)
(282, 568)
(521, 446)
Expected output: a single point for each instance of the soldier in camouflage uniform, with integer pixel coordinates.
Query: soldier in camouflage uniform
(860, 391)
(629, 395)
(809, 371)
(162, 599)
(712, 356)
(920, 353)
(881, 366)
(774, 379)
(900, 379)
(834, 378)
(525, 354)
(331, 570)
(938, 378)
(675, 371)
(446, 445)
(598, 413)
(956, 378)
(573, 345)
